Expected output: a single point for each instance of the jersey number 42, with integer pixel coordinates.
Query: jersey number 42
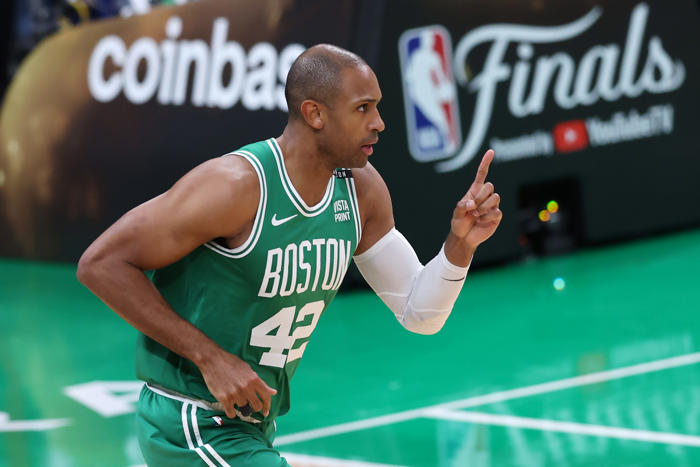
(284, 338)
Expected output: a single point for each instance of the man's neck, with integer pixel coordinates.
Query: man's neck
(305, 165)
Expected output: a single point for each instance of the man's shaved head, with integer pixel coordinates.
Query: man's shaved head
(317, 74)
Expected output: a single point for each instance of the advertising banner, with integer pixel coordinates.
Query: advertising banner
(591, 106)
(106, 115)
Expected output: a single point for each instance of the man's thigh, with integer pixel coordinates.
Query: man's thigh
(173, 433)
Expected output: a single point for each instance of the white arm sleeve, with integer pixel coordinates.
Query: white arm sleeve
(421, 297)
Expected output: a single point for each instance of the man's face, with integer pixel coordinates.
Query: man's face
(353, 123)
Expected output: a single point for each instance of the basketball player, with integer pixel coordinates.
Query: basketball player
(227, 273)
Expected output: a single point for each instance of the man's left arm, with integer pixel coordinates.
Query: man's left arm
(422, 297)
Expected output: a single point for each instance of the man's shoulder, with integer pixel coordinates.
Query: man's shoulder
(240, 165)
(258, 148)
(226, 186)
(367, 179)
(371, 189)
(223, 179)
(375, 205)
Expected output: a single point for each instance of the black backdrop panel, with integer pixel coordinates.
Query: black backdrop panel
(592, 103)
(600, 96)
(104, 116)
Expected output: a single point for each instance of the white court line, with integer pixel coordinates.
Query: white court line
(7, 425)
(494, 397)
(318, 461)
(564, 427)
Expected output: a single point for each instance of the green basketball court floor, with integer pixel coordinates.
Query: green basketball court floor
(601, 370)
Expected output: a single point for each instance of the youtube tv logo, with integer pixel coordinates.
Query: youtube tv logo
(570, 136)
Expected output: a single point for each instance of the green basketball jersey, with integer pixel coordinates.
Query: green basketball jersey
(262, 300)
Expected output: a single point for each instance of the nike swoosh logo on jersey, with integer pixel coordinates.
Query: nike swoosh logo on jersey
(276, 222)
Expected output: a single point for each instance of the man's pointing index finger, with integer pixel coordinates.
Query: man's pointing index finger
(483, 170)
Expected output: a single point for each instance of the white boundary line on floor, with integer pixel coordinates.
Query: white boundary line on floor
(500, 396)
(7, 425)
(319, 461)
(564, 427)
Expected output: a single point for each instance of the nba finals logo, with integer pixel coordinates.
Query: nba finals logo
(430, 94)
(570, 77)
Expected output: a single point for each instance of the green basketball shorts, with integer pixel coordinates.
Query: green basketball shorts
(177, 432)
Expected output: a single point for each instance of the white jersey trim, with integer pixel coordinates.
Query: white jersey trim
(252, 240)
(204, 405)
(355, 206)
(294, 197)
(198, 403)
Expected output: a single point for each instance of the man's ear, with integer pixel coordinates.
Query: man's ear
(314, 113)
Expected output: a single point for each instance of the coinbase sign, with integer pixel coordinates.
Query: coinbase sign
(256, 79)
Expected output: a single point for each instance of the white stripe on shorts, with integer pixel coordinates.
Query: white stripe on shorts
(200, 443)
(188, 437)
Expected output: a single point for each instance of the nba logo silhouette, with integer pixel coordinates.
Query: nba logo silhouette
(430, 93)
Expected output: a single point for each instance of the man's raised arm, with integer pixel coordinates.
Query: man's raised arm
(422, 297)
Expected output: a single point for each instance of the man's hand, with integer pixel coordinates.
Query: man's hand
(233, 382)
(477, 214)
